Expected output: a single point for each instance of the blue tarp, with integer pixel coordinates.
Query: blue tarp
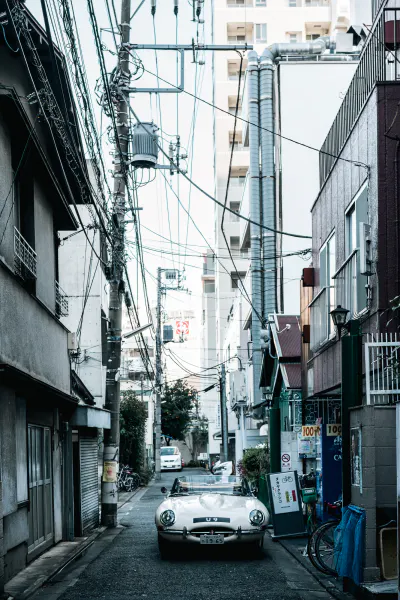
(349, 543)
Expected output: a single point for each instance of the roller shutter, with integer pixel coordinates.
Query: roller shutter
(89, 483)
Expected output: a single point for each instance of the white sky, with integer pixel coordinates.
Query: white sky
(152, 197)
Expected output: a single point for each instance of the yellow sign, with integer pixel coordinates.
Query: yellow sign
(333, 430)
(310, 430)
(110, 471)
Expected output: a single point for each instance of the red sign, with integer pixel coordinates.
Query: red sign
(182, 327)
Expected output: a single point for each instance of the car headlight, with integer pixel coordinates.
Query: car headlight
(256, 517)
(167, 517)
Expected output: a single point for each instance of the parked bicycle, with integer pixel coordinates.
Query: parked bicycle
(321, 543)
(128, 480)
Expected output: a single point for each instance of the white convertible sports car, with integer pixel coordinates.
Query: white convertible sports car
(210, 510)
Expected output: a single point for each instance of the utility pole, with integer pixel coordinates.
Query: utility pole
(224, 415)
(158, 380)
(160, 290)
(109, 493)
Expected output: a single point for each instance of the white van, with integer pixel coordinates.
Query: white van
(171, 458)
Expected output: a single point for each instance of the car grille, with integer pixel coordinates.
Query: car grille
(198, 531)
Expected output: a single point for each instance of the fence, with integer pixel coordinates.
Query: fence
(382, 369)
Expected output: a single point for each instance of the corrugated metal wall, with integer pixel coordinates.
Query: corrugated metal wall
(89, 483)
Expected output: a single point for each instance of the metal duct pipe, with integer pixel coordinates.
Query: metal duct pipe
(267, 122)
(255, 213)
(301, 48)
(269, 58)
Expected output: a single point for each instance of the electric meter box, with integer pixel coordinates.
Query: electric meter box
(168, 333)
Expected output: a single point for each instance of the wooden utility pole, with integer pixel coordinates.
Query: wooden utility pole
(224, 415)
(158, 380)
(109, 493)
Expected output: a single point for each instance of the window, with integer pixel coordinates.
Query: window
(292, 3)
(351, 286)
(237, 181)
(235, 282)
(327, 269)
(261, 2)
(293, 38)
(234, 243)
(209, 287)
(312, 36)
(236, 39)
(322, 304)
(237, 144)
(232, 100)
(233, 69)
(261, 33)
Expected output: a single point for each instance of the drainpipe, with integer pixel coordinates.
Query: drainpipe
(267, 121)
(255, 212)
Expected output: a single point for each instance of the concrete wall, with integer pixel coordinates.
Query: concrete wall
(378, 463)
(79, 266)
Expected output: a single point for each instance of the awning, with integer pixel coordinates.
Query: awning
(90, 416)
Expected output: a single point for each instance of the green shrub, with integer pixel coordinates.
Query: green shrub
(255, 463)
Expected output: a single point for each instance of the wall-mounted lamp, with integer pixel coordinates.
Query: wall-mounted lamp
(339, 318)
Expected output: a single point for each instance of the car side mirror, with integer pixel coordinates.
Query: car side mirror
(164, 490)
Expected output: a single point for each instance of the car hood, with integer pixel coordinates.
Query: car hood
(236, 508)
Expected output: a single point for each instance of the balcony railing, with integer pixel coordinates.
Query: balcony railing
(61, 301)
(319, 308)
(25, 258)
(378, 62)
(346, 284)
(239, 40)
(239, 3)
(382, 369)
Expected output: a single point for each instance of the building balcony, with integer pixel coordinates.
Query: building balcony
(61, 301)
(25, 258)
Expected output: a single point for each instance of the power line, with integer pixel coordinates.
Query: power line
(295, 235)
(288, 139)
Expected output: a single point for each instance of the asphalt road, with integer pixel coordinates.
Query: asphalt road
(126, 564)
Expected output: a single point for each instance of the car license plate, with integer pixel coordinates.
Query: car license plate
(212, 539)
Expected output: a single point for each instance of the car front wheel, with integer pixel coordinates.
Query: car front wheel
(162, 547)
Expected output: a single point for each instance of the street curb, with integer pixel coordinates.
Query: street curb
(79, 550)
(332, 590)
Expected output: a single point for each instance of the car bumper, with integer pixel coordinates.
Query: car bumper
(171, 467)
(240, 536)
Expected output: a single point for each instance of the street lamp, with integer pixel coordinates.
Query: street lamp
(339, 317)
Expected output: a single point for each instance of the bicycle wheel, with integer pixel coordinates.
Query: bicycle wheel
(311, 514)
(325, 548)
(129, 484)
(311, 550)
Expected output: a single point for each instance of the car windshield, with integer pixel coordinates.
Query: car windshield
(168, 451)
(220, 484)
